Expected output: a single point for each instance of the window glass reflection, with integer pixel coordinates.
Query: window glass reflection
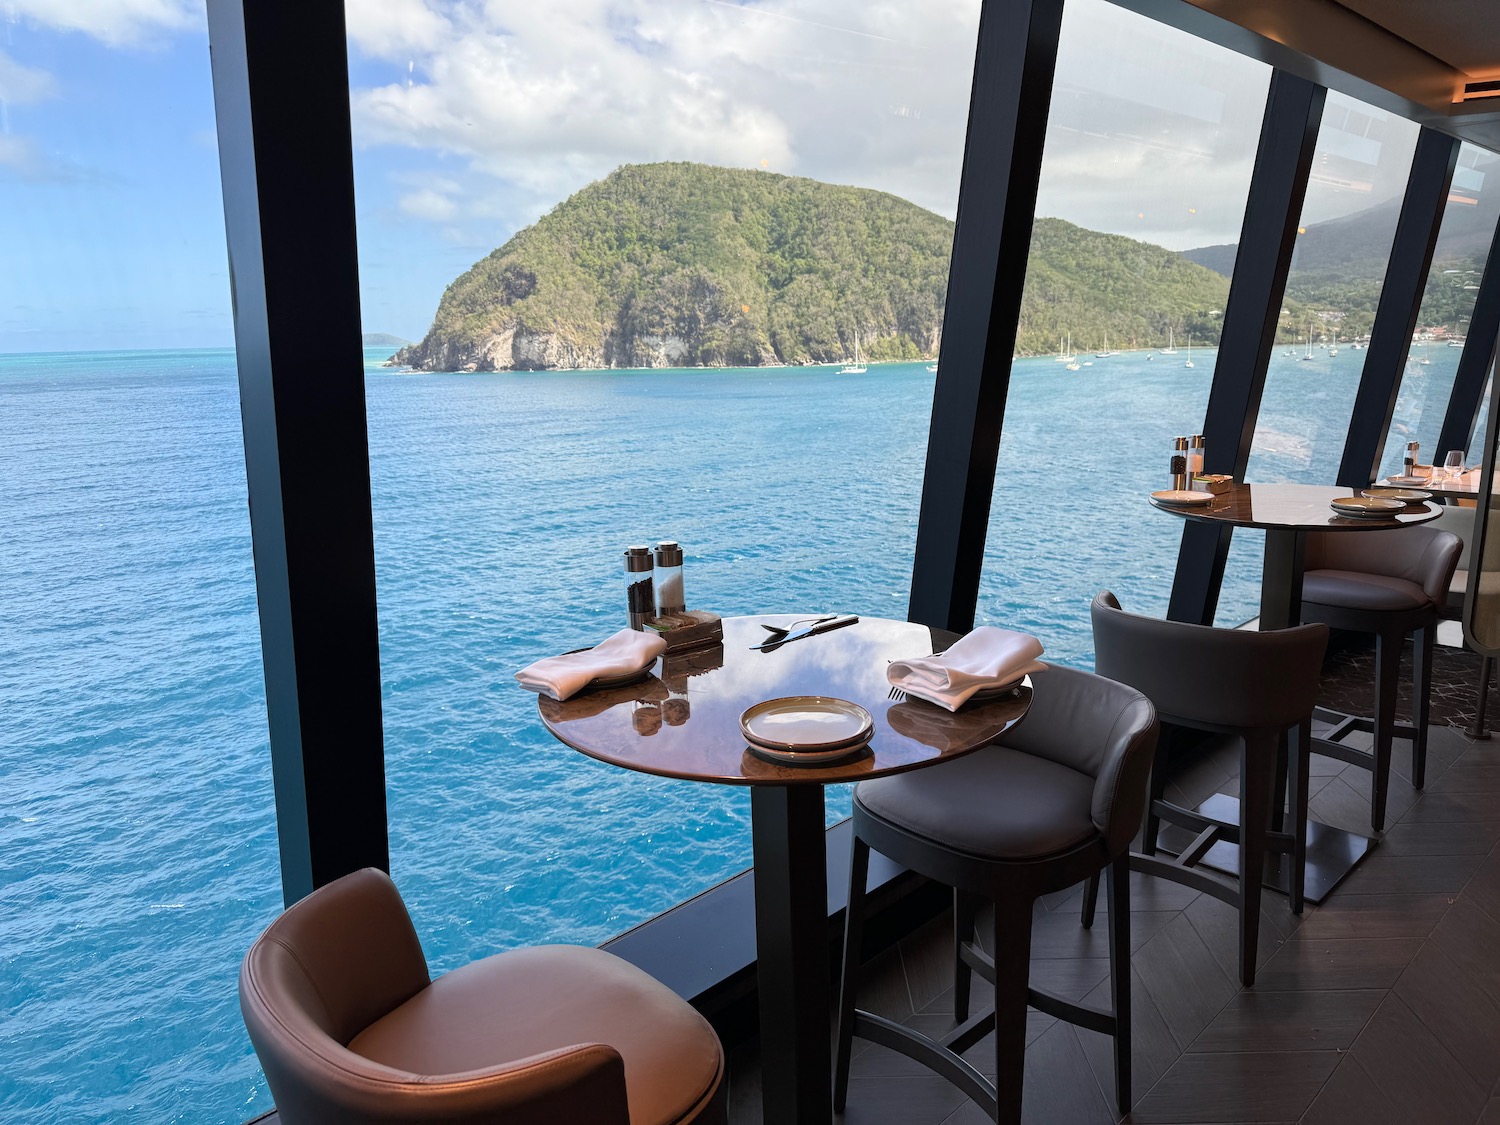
(1150, 144)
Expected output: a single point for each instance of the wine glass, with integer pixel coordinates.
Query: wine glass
(1453, 465)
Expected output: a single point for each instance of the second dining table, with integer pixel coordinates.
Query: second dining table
(682, 720)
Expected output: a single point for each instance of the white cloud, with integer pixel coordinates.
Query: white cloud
(21, 85)
(430, 203)
(118, 23)
(21, 159)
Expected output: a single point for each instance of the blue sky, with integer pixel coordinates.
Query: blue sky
(473, 117)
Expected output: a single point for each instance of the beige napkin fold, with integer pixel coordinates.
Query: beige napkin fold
(987, 658)
(627, 651)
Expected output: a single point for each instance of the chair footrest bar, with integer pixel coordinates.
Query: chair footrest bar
(1084, 1015)
(931, 1054)
(1338, 751)
(966, 1034)
(1188, 876)
(978, 960)
(1195, 821)
(1195, 851)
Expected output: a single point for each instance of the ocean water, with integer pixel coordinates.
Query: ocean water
(139, 855)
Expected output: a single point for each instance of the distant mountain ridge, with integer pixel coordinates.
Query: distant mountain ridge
(692, 265)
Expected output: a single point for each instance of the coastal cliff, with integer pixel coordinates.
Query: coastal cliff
(686, 265)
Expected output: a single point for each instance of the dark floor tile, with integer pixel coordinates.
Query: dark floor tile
(1258, 1087)
(1071, 978)
(1060, 1084)
(1341, 963)
(1339, 805)
(1435, 807)
(1460, 837)
(1290, 1021)
(927, 958)
(1349, 1098)
(1483, 888)
(1374, 916)
(744, 1084)
(1152, 893)
(1463, 1017)
(1464, 778)
(1399, 797)
(1471, 939)
(1491, 1114)
(1412, 1070)
(914, 1100)
(1152, 1047)
(1183, 977)
(882, 986)
(1384, 874)
(1218, 924)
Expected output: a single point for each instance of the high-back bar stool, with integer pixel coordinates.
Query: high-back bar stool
(1058, 801)
(1256, 686)
(1390, 583)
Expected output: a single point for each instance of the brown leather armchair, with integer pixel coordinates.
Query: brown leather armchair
(350, 1028)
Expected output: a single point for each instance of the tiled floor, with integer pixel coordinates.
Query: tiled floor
(1380, 1007)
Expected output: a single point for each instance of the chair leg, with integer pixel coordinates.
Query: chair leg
(1279, 784)
(1117, 899)
(1090, 899)
(1300, 753)
(854, 924)
(1421, 659)
(1257, 765)
(1387, 667)
(1158, 787)
(1012, 979)
(965, 907)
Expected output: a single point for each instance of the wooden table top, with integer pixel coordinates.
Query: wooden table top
(683, 720)
(1294, 506)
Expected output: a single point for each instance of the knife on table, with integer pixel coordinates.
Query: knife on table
(810, 630)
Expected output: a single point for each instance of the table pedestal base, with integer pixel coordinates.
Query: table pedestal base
(1331, 852)
(791, 937)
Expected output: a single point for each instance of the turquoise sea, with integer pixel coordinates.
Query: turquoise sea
(139, 855)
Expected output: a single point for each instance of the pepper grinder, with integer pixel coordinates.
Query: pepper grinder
(640, 599)
(1179, 464)
(669, 599)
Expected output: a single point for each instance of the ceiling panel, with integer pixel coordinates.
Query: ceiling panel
(1465, 34)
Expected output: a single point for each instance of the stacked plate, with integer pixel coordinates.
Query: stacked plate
(1405, 495)
(1367, 507)
(1181, 497)
(806, 730)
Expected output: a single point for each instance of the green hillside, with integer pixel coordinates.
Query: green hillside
(687, 265)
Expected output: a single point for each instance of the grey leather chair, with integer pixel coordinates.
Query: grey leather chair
(1390, 583)
(1256, 686)
(1060, 799)
(351, 1030)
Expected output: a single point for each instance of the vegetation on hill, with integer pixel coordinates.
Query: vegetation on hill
(686, 264)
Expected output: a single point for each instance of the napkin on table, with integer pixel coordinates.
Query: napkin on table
(562, 676)
(986, 658)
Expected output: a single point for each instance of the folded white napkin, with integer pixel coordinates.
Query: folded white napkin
(627, 651)
(986, 658)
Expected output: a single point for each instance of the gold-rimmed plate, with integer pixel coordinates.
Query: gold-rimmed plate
(1405, 495)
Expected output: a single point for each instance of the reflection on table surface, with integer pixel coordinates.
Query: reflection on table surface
(684, 720)
(1292, 506)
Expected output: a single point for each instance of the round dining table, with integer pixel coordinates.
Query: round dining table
(682, 720)
(1287, 512)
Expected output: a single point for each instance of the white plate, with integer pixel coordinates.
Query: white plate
(803, 724)
(1408, 480)
(1367, 507)
(1407, 495)
(1182, 497)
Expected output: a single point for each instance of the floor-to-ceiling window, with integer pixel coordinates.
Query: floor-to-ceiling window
(1458, 262)
(139, 840)
(1150, 145)
(674, 271)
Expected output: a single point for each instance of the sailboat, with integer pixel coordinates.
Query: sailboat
(1425, 361)
(1072, 360)
(1308, 354)
(1333, 348)
(1189, 362)
(1065, 354)
(855, 368)
(1106, 353)
(1169, 349)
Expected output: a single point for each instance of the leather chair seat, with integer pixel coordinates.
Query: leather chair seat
(996, 803)
(530, 1001)
(1348, 589)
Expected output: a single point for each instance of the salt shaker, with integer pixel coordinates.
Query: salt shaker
(669, 598)
(1179, 463)
(640, 598)
(1409, 463)
(1196, 454)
